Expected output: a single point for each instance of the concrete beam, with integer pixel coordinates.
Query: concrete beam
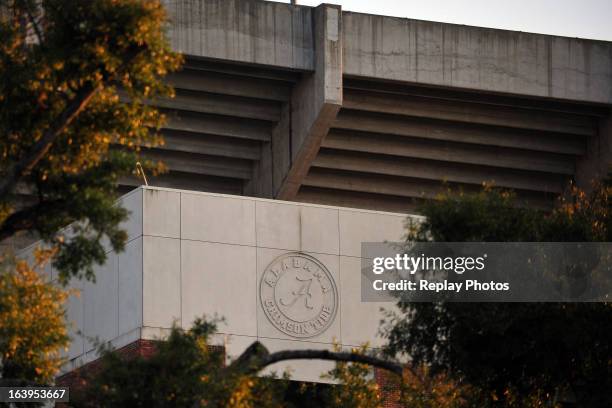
(437, 171)
(201, 164)
(355, 199)
(477, 58)
(397, 49)
(188, 181)
(596, 163)
(359, 122)
(470, 112)
(378, 184)
(210, 144)
(315, 102)
(402, 187)
(248, 31)
(227, 105)
(451, 152)
(219, 83)
(218, 125)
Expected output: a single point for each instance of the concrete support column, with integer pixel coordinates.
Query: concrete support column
(596, 163)
(315, 102)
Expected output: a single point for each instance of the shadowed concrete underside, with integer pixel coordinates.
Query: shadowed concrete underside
(324, 106)
(389, 146)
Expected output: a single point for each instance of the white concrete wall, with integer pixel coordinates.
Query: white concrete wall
(111, 308)
(190, 254)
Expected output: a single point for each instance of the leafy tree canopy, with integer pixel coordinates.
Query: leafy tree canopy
(32, 327)
(185, 371)
(75, 77)
(515, 354)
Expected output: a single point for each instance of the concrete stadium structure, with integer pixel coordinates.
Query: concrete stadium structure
(324, 106)
(354, 118)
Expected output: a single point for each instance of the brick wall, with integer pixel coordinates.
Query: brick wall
(139, 348)
(75, 379)
(390, 388)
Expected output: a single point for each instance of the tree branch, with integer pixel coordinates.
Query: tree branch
(256, 357)
(34, 23)
(333, 356)
(42, 146)
(25, 218)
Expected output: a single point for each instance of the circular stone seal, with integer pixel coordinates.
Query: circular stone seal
(298, 295)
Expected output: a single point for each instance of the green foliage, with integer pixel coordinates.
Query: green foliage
(355, 386)
(32, 322)
(513, 354)
(421, 388)
(488, 216)
(75, 81)
(183, 372)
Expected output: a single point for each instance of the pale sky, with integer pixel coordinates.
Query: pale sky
(570, 18)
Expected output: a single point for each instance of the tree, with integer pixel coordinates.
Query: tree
(74, 79)
(356, 387)
(184, 371)
(32, 327)
(513, 354)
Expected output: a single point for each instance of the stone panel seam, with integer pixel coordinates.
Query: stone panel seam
(255, 246)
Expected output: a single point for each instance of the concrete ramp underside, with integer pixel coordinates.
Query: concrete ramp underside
(388, 146)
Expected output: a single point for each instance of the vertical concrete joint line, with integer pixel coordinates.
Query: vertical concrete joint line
(339, 307)
(142, 249)
(300, 223)
(181, 259)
